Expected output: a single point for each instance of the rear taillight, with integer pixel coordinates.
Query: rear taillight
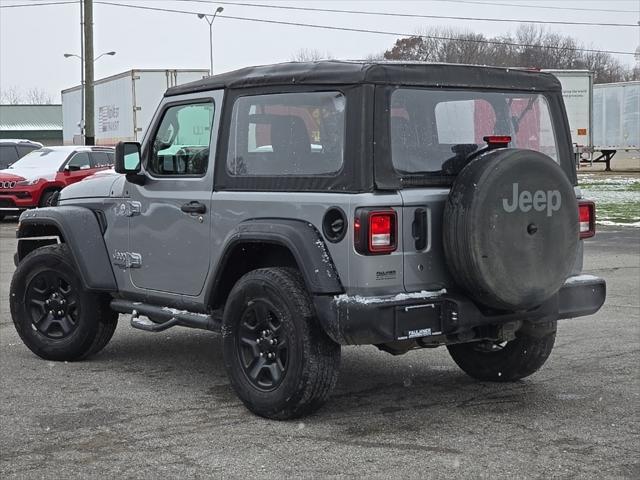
(375, 231)
(587, 218)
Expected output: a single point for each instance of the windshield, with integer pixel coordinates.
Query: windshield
(43, 158)
(433, 129)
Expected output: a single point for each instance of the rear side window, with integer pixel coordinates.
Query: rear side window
(101, 159)
(430, 128)
(295, 134)
(8, 155)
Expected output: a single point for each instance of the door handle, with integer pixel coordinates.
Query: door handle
(193, 207)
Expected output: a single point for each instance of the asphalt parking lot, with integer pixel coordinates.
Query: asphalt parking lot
(160, 405)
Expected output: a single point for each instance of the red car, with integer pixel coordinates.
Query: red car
(33, 180)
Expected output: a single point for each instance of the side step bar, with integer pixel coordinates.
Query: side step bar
(164, 317)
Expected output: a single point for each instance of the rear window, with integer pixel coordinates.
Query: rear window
(8, 155)
(431, 129)
(297, 134)
(24, 149)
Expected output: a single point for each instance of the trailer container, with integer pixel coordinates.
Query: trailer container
(577, 93)
(124, 104)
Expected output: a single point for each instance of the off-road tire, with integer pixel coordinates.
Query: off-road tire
(94, 322)
(45, 199)
(517, 359)
(312, 359)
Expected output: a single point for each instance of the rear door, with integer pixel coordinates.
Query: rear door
(170, 218)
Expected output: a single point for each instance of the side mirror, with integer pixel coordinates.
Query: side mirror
(128, 158)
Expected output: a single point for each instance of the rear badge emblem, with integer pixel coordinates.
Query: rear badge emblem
(540, 200)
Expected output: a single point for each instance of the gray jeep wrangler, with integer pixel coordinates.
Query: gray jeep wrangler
(298, 207)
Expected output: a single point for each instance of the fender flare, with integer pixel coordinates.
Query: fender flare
(81, 232)
(301, 238)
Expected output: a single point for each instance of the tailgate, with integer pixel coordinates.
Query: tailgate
(424, 263)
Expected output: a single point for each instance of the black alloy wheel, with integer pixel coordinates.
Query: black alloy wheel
(263, 345)
(280, 362)
(56, 318)
(52, 304)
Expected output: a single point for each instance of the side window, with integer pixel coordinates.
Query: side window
(101, 160)
(287, 134)
(181, 143)
(80, 161)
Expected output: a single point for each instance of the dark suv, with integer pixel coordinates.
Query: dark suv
(12, 150)
(295, 208)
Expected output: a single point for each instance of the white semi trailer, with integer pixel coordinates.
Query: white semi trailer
(616, 119)
(577, 93)
(124, 104)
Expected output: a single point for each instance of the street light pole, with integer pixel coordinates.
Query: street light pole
(210, 22)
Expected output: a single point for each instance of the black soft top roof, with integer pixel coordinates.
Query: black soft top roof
(334, 72)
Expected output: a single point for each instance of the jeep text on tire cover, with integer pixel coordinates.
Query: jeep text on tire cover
(298, 207)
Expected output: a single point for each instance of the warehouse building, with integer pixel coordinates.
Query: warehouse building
(40, 123)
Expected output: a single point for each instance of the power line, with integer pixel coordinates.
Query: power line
(37, 4)
(362, 30)
(412, 15)
(545, 7)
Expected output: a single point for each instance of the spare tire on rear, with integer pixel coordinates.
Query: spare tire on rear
(511, 229)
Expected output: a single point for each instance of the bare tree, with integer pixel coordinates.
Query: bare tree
(310, 55)
(38, 96)
(530, 46)
(11, 96)
(14, 96)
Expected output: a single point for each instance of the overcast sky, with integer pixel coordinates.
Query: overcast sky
(34, 39)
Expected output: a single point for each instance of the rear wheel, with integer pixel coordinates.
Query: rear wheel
(54, 316)
(503, 361)
(280, 362)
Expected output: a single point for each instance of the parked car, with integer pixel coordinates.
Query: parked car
(13, 149)
(295, 208)
(35, 179)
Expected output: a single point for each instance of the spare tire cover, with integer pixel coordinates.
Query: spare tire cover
(511, 229)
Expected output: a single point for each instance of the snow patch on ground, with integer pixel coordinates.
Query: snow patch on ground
(609, 223)
(424, 294)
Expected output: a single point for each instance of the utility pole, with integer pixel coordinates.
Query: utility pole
(81, 73)
(89, 130)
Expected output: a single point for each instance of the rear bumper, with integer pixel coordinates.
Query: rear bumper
(355, 320)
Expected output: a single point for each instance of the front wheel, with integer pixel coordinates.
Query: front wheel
(55, 317)
(47, 198)
(280, 362)
(503, 361)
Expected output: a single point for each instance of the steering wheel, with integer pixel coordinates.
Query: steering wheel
(181, 161)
